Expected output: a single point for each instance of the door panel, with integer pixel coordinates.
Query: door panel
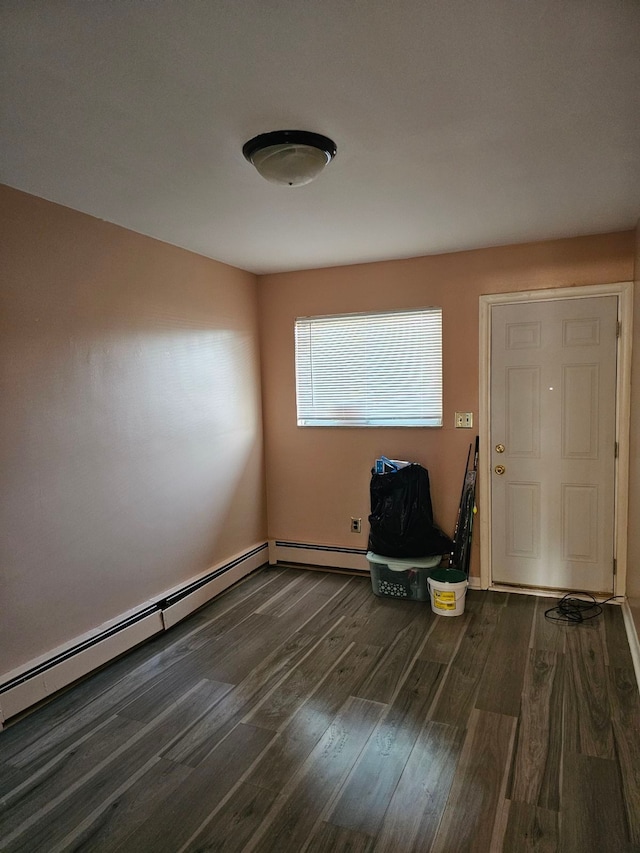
(580, 522)
(523, 411)
(553, 386)
(523, 519)
(580, 399)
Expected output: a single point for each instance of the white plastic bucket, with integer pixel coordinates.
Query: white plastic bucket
(448, 590)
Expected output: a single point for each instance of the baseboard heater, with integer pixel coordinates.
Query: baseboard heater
(322, 556)
(42, 678)
(353, 560)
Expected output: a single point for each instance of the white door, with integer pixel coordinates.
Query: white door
(553, 414)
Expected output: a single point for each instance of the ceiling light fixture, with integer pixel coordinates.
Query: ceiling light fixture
(291, 157)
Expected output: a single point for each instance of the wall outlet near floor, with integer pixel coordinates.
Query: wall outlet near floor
(464, 420)
(356, 525)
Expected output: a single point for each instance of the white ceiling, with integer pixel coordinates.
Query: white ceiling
(459, 123)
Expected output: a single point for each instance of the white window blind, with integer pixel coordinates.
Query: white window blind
(370, 369)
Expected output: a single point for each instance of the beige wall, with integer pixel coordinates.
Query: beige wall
(317, 478)
(131, 434)
(633, 576)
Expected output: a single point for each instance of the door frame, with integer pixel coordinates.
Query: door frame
(624, 291)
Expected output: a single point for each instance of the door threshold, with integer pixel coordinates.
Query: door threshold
(545, 592)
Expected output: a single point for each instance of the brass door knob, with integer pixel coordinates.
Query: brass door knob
(499, 448)
(499, 469)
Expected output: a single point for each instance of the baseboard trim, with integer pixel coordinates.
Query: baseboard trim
(37, 680)
(632, 637)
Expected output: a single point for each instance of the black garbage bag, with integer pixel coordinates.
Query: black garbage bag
(401, 517)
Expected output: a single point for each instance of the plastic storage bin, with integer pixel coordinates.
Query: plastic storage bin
(406, 577)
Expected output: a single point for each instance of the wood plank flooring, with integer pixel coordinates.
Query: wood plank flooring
(298, 712)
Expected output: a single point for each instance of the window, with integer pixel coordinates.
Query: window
(370, 369)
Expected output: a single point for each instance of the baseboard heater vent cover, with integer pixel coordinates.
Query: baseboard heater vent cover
(33, 683)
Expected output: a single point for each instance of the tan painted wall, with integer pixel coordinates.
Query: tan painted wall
(317, 478)
(633, 571)
(131, 433)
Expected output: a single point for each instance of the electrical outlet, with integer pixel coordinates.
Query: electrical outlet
(356, 525)
(464, 420)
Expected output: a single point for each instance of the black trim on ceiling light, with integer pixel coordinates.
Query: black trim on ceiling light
(289, 137)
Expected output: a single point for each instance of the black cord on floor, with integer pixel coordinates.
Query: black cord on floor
(571, 609)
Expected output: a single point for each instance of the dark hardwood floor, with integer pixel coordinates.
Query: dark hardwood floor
(298, 712)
